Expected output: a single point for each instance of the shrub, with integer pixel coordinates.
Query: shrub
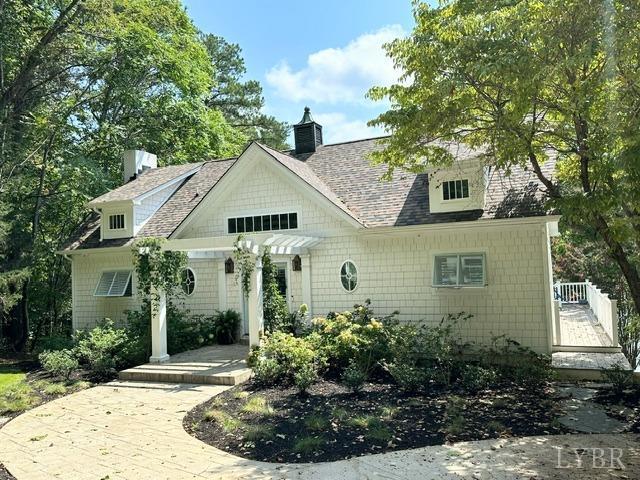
(408, 377)
(619, 378)
(60, 363)
(354, 377)
(105, 349)
(226, 324)
(517, 363)
(184, 331)
(305, 376)
(474, 378)
(352, 335)
(284, 355)
(267, 371)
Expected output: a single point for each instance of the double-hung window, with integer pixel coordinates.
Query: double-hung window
(459, 270)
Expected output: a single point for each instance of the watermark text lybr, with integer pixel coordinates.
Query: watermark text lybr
(590, 458)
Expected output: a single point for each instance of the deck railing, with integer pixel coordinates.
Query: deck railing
(575, 292)
(604, 308)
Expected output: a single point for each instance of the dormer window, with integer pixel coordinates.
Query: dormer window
(116, 222)
(455, 189)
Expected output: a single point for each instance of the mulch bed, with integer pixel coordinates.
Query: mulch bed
(379, 419)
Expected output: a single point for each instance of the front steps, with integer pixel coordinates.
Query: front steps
(586, 365)
(215, 365)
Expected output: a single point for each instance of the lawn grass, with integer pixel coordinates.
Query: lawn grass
(258, 405)
(340, 414)
(307, 445)
(259, 432)
(227, 422)
(316, 422)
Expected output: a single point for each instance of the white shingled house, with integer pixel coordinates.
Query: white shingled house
(467, 238)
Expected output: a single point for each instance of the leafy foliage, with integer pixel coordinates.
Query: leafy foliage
(354, 377)
(274, 306)
(61, 363)
(80, 82)
(226, 324)
(526, 82)
(619, 378)
(244, 264)
(157, 269)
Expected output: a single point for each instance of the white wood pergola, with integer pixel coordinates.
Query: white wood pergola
(221, 248)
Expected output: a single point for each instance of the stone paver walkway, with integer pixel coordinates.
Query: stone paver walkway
(580, 327)
(127, 430)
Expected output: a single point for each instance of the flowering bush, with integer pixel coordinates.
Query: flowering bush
(353, 336)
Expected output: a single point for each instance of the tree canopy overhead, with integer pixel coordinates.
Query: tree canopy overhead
(80, 82)
(528, 80)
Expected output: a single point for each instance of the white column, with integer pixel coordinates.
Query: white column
(306, 281)
(158, 327)
(254, 303)
(614, 323)
(222, 286)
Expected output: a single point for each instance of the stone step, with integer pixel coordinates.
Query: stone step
(169, 373)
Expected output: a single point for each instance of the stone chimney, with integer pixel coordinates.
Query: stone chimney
(136, 162)
(307, 134)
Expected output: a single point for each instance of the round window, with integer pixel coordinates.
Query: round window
(349, 276)
(188, 281)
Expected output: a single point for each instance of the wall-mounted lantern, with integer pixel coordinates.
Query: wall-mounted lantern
(296, 264)
(228, 266)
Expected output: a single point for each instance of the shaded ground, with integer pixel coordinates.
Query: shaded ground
(624, 407)
(279, 425)
(134, 431)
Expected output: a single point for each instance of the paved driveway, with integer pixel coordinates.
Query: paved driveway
(126, 430)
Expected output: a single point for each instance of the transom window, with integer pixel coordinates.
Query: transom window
(116, 222)
(349, 276)
(114, 284)
(459, 270)
(455, 189)
(188, 281)
(263, 223)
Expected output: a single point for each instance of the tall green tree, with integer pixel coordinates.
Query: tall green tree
(241, 101)
(81, 81)
(528, 80)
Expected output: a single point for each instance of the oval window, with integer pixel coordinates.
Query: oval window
(349, 276)
(188, 281)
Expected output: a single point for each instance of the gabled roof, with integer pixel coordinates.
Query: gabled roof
(341, 173)
(145, 182)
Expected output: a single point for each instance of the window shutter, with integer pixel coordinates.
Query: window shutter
(113, 284)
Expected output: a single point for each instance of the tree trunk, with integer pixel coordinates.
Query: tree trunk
(621, 257)
(19, 326)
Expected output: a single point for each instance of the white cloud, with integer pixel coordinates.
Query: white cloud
(336, 127)
(339, 74)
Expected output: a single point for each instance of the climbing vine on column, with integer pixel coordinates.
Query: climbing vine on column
(245, 264)
(157, 269)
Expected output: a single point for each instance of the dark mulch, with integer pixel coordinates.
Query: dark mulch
(625, 407)
(4, 474)
(396, 420)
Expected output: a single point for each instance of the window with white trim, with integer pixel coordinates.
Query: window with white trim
(455, 189)
(188, 281)
(349, 276)
(263, 223)
(459, 270)
(116, 221)
(114, 284)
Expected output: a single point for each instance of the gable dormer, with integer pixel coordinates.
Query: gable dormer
(125, 210)
(458, 187)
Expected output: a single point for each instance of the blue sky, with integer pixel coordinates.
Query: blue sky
(321, 54)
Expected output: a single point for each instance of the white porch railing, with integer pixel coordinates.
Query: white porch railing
(604, 308)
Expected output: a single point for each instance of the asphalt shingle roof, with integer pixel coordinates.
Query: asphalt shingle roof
(145, 182)
(343, 174)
